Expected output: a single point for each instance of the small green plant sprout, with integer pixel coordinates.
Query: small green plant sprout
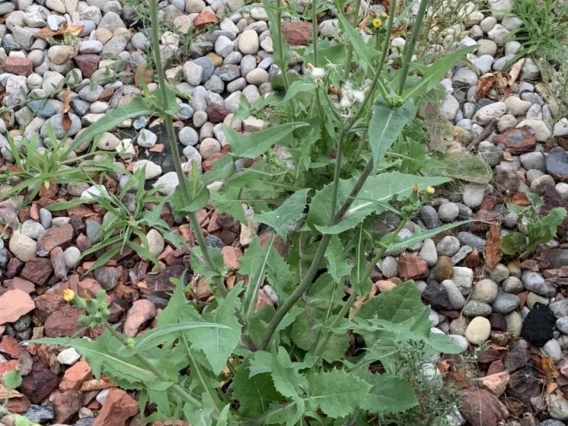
(533, 229)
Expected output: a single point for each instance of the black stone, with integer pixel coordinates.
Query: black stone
(214, 241)
(436, 296)
(538, 326)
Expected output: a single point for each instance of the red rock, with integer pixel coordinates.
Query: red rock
(231, 256)
(517, 140)
(18, 405)
(75, 376)
(14, 304)
(7, 366)
(21, 284)
(117, 409)
(297, 33)
(410, 266)
(64, 322)
(39, 383)
(87, 63)
(83, 242)
(48, 303)
(38, 270)
(58, 263)
(54, 237)
(204, 18)
(495, 383)
(14, 267)
(384, 285)
(481, 408)
(66, 404)
(10, 346)
(216, 113)
(160, 285)
(18, 66)
(142, 311)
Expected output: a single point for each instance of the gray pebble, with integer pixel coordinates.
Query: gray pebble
(535, 282)
(448, 212)
(429, 216)
(505, 303)
(448, 246)
(473, 308)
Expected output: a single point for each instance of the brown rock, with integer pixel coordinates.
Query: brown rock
(506, 180)
(75, 376)
(495, 383)
(10, 346)
(14, 304)
(37, 270)
(21, 284)
(18, 405)
(297, 33)
(39, 383)
(18, 66)
(204, 18)
(231, 256)
(481, 408)
(87, 63)
(517, 140)
(58, 263)
(48, 303)
(14, 267)
(117, 409)
(444, 269)
(262, 301)
(54, 237)
(142, 311)
(160, 285)
(64, 322)
(216, 113)
(66, 404)
(410, 266)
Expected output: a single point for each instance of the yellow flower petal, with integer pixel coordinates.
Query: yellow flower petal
(68, 295)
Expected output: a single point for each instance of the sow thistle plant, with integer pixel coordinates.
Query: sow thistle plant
(319, 178)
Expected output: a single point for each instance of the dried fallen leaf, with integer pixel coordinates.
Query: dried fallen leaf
(493, 251)
(516, 71)
(518, 198)
(550, 388)
(71, 29)
(6, 393)
(67, 100)
(549, 368)
(143, 74)
(66, 122)
(484, 85)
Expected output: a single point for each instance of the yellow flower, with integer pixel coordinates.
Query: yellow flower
(384, 14)
(377, 23)
(430, 190)
(68, 295)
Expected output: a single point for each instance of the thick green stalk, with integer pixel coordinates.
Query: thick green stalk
(315, 31)
(296, 294)
(280, 42)
(152, 369)
(172, 143)
(412, 44)
(349, 60)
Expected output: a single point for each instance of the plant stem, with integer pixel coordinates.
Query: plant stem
(280, 41)
(172, 142)
(412, 44)
(152, 369)
(320, 347)
(315, 31)
(296, 294)
(349, 60)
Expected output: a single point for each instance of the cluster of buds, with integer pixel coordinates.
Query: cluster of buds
(376, 24)
(96, 310)
(416, 200)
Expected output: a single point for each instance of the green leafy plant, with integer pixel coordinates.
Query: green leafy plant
(534, 229)
(320, 176)
(129, 214)
(36, 167)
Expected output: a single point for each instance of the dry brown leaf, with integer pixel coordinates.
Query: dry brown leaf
(67, 100)
(493, 251)
(516, 71)
(518, 198)
(66, 122)
(550, 388)
(71, 29)
(549, 368)
(143, 74)
(484, 85)
(6, 393)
